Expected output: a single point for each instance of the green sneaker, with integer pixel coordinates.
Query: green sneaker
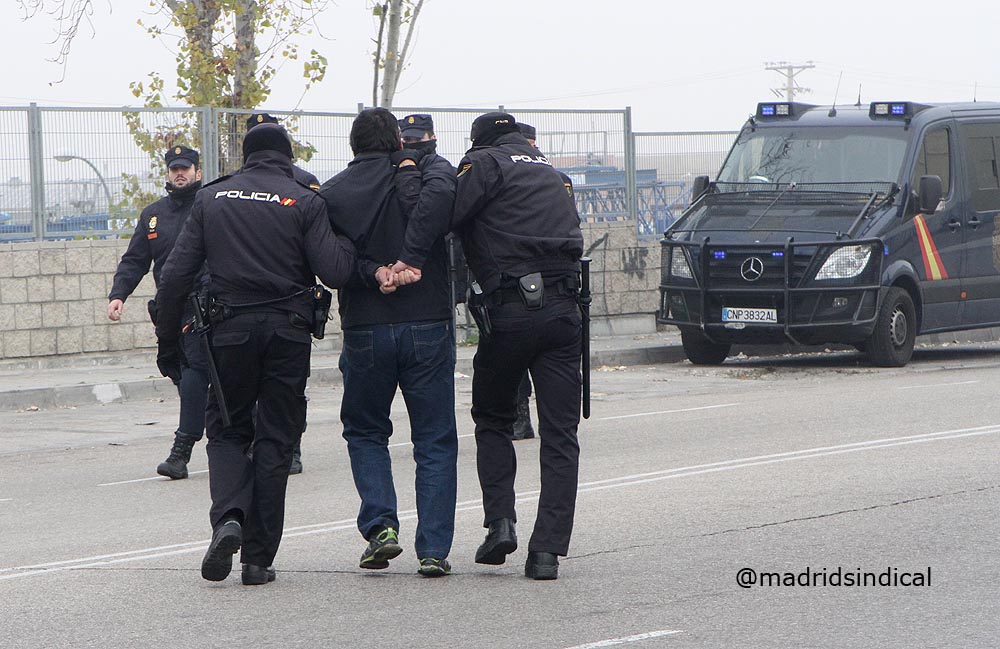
(383, 547)
(431, 567)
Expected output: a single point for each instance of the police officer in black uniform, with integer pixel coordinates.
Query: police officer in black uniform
(304, 177)
(522, 426)
(301, 175)
(265, 238)
(522, 238)
(155, 233)
(417, 132)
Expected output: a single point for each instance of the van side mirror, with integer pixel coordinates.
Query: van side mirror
(699, 187)
(929, 194)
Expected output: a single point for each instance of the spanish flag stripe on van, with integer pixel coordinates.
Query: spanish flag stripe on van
(933, 267)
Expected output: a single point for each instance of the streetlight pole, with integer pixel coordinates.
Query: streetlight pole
(104, 184)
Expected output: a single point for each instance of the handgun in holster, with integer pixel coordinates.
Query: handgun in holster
(480, 312)
(321, 310)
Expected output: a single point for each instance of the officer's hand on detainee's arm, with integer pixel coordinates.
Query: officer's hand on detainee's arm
(115, 309)
(168, 359)
(384, 276)
(404, 274)
(406, 157)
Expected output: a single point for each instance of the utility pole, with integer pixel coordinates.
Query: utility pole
(789, 71)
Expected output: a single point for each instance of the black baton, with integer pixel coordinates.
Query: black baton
(452, 281)
(585, 301)
(201, 327)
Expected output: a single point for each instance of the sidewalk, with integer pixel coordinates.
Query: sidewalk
(85, 379)
(82, 379)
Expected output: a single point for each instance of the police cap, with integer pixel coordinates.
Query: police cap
(261, 118)
(492, 124)
(416, 125)
(181, 156)
(267, 137)
(527, 130)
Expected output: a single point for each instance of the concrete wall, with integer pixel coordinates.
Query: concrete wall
(624, 278)
(53, 294)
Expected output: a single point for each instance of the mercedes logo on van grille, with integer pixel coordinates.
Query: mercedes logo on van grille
(752, 268)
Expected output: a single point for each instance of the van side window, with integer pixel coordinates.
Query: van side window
(982, 143)
(934, 159)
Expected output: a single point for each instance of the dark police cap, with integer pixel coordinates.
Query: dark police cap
(267, 137)
(260, 118)
(527, 130)
(495, 123)
(416, 125)
(181, 156)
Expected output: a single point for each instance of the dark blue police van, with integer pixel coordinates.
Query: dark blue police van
(864, 225)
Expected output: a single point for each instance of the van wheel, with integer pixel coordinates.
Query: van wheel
(702, 351)
(891, 343)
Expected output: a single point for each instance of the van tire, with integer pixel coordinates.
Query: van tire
(891, 343)
(702, 351)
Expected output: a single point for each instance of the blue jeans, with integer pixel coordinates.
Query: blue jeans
(419, 359)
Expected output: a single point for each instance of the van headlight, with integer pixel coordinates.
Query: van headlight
(679, 266)
(845, 263)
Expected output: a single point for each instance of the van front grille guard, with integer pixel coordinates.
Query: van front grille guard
(806, 285)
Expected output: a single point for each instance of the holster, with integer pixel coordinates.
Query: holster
(321, 310)
(480, 312)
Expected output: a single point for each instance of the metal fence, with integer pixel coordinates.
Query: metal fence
(88, 172)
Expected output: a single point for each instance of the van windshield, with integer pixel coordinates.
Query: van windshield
(816, 155)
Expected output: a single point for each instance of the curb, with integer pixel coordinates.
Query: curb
(322, 375)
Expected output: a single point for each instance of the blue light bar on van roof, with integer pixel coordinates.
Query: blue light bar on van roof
(894, 109)
(774, 110)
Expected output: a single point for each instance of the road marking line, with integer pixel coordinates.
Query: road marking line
(525, 496)
(935, 385)
(993, 428)
(159, 477)
(667, 412)
(5, 500)
(626, 640)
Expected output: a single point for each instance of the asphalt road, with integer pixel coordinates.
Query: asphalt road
(689, 475)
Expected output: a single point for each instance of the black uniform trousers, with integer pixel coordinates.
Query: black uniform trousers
(262, 359)
(546, 341)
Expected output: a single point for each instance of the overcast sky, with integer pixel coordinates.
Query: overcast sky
(680, 65)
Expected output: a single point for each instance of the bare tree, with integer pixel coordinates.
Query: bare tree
(393, 15)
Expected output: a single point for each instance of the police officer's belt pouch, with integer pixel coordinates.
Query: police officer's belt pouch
(532, 291)
(321, 310)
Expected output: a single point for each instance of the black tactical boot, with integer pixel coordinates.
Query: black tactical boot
(296, 467)
(175, 466)
(522, 427)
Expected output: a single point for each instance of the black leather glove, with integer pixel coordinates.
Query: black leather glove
(405, 154)
(168, 359)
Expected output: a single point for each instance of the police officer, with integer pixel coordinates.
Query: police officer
(265, 238)
(417, 132)
(304, 177)
(522, 238)
(522, 426)
(301, 175)
(397, 336)
(155, 233)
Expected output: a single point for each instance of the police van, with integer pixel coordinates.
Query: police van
(864, 225)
